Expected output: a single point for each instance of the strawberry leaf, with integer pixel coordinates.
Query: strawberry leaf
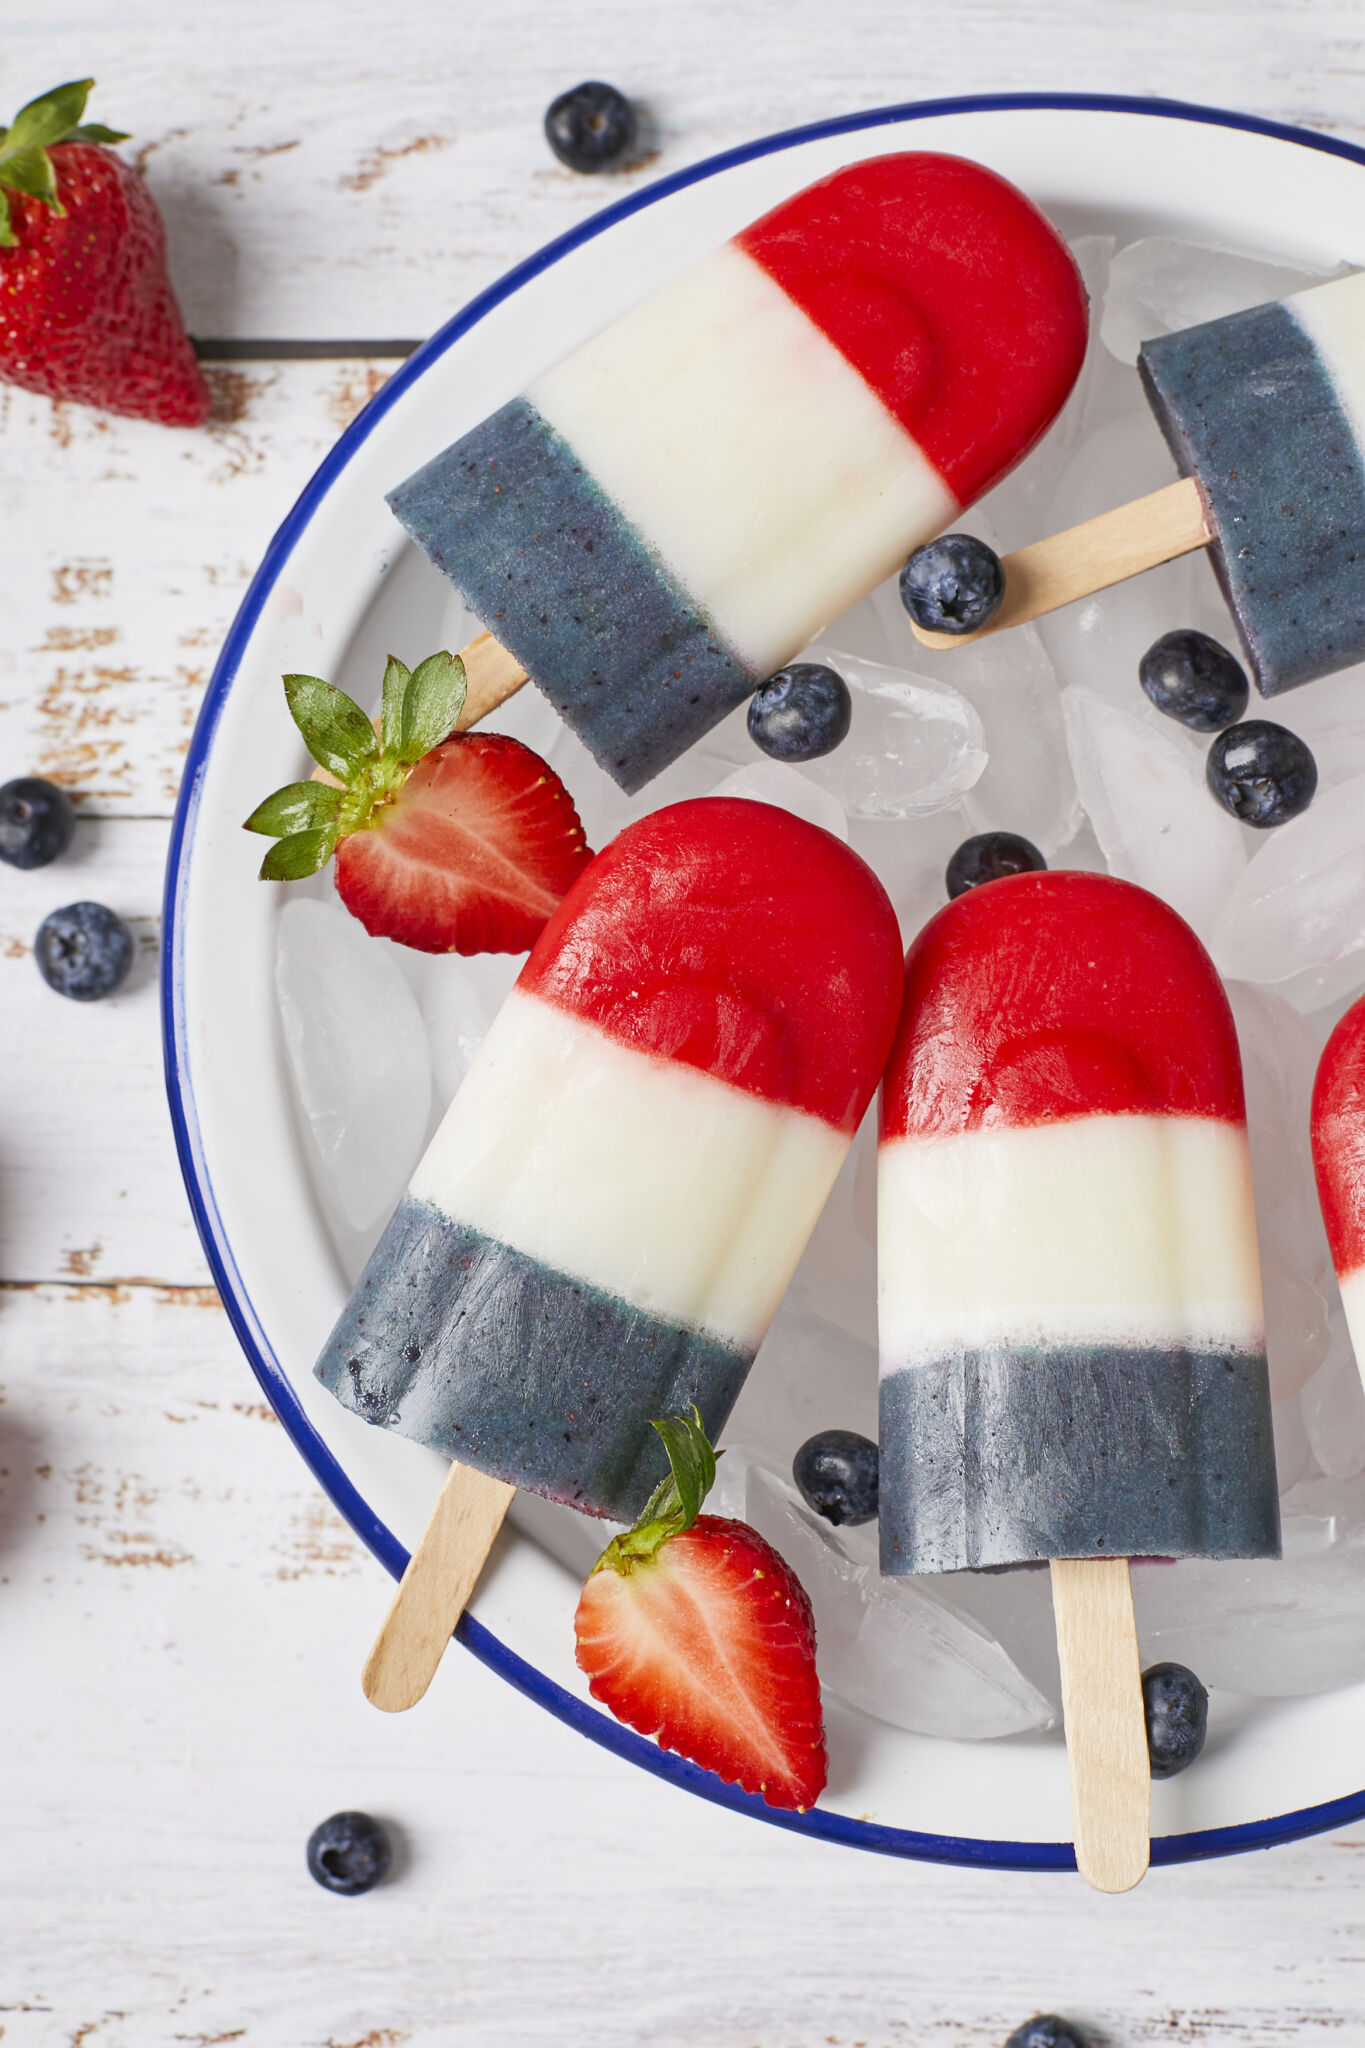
(95, 131)
(51, 117)
(30, 171)
(298, 807)
(675, 1502)
(693, 1467)
(432, 704)
(335, 730)
(397, 676)
(8, 238)
(299, 855)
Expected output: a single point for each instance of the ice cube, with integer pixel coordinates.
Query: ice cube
(776, 782)
(1339, 1503)
(909, 1651)
(1293, 1452)
(1334, 1406)
(910, 857)
(1098, 642)
(1144, 791)
(1027, 785)
(1330, 717)
(358, 1056)
(1296, 914)
(915, 746)
(1159, 285)
(1279, 1055)
(460, 998)
(1271, 1627)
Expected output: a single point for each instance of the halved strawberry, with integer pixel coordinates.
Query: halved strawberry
(448, 842)
(692, 1629)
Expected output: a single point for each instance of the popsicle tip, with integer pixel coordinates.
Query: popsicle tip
(1115, 1864)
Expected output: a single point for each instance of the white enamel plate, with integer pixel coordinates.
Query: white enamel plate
(335, 575)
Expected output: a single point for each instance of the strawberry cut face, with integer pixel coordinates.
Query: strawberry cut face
(709, 1646)
(471, 855)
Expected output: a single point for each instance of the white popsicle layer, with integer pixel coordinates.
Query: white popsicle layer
(1333, 317)
(1136, 1231)
(747, 451)
(645, 1178)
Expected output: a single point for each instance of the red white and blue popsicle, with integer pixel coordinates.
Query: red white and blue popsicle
(604, 1223)
(1264, 412)
(1338, 1135)
(1073, 1358)
(672, 512)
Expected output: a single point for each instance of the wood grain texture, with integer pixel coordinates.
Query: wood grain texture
(180, 1606)
(492, 675)
(435, 1589)
(1106, 1731)
(1068, 566)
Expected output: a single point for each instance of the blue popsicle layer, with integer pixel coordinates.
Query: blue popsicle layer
(1000, 1457)
(1250, 409)
(536, 1378)
(559, 575)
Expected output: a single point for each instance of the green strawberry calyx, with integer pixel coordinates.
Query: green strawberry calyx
(306, 819)
(25, 165)
(675, 1502)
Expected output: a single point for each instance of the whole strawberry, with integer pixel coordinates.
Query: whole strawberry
(692, 1629)
(449, 842)
(86, 307)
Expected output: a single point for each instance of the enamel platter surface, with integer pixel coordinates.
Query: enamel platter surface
(327, 599)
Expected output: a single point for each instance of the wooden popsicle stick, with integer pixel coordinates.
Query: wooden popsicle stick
(1050, 573)
(435, 1589)
(1106, 1727)
(492, 675)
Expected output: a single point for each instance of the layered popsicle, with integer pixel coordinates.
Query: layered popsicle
(1264, 412)
(672, 512)
(605, 1221)
(1338, 1135)
(1073, 1360)
(1266, 409)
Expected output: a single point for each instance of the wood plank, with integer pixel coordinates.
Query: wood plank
(128, 549)
(90, 1188)
(181, 1609)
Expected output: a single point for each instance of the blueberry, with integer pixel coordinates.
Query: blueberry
(800, 713)
(836, 1474)
(1190, 677)
(83, 951)
(989, 856)
(36, 822)
(1261, 773)
(1177, 1708)
(953, 585)
(1046, 2031)
(591, 128)
(349, 1853)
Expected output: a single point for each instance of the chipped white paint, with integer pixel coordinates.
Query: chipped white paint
(182, 1615)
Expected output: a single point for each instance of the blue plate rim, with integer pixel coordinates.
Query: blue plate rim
(598, 1727)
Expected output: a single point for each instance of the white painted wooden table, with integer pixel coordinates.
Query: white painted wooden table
(181, 1613)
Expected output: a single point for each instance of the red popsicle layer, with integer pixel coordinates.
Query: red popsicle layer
(731, 937)
(949, 292)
